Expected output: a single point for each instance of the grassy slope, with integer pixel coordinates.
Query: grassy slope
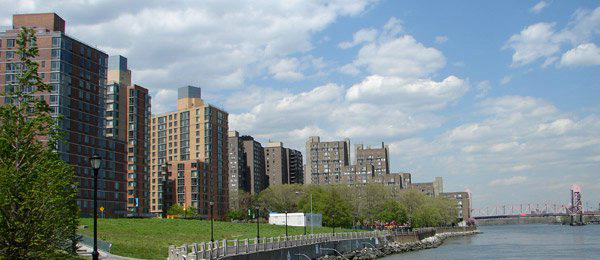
(150, 238)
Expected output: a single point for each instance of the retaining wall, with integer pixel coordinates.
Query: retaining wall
(312, 251)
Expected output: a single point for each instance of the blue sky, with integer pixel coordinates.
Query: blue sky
(498, 97)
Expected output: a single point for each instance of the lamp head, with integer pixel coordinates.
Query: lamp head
(95, 161)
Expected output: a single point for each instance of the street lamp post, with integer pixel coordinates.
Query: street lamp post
(311, 215)
(96, 162)
(286, 227)
(257, 224)
(333, 219)
(212, 233)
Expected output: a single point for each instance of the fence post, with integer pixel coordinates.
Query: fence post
(246, 245)
(203, 247)
(184, 252)
(195, 250)
(237, 246)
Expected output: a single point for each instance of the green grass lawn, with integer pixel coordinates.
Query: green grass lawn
(151, 238)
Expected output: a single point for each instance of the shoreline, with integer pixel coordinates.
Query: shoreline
(392, 248)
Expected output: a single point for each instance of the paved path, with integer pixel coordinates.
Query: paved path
(103, 255)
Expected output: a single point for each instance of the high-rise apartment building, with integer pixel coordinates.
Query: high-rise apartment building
(295, 166)
(189, 160)
(284, 165)
(376, 157)
(325, 161)
(77, 73)
(255, 163)
(276, 163)
(128, 119)
(238, 172)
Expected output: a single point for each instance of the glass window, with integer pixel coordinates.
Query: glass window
(10, 43)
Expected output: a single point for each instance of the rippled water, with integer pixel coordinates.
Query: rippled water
(529, 242)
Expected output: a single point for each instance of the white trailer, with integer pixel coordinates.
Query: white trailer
(296, 219)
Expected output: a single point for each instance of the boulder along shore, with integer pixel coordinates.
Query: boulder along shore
(390, 248)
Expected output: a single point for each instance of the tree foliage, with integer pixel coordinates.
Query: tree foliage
(38, 210)
(361, 205)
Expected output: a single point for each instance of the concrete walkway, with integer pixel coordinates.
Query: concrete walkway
(87, 251)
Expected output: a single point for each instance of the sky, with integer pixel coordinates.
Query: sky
(501, 98)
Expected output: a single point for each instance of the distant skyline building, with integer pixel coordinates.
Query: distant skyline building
(325, 161)
(128, 119)
(276, 163)
(295, 166)
(238, 169)
(255, 165)
(378, 158)
(284, 165)
(189, 157)
(77, 73)
(431, 189)
(463, 203)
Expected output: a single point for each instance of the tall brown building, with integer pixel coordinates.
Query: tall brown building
(189, 162)
(255, 164)
(325, 161)
(128, 119)
(238, 172)
(295, 166)
(276, 163)
(284, 165)
(376, 157)
(77, 73)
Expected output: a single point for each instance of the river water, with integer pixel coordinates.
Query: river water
(530, 242)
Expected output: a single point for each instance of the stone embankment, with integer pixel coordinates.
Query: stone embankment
(390, 248)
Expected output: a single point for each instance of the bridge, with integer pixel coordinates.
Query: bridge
(574, 209)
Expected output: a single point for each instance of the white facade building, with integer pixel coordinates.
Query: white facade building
(296, 219)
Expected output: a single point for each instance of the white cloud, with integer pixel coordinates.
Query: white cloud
(542, 41)
(587, 54)
(402, 56)
(165, 100)
(537, 8)
(286, 69)
(349, 69)
(388, 53)
(407, 104)
(418, 94)
(441, 39)
(363, 35)
(483, 87)
(509, 181)
(534, 42)
(506, 79)
(549, 61)
(211, 44)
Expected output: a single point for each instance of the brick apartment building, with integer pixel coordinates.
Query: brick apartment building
(77, 73)
(128, 120)
(189, 160)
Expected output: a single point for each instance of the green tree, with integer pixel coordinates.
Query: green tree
(38, 213)
(190, 212)
(175, 210)
(392, 210)
(426, 216)
(281, 198)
